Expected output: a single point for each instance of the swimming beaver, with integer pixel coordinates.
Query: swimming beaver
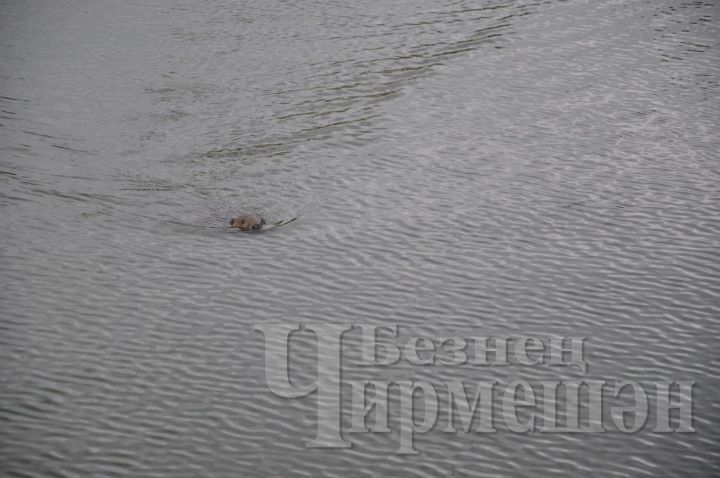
(248, 222)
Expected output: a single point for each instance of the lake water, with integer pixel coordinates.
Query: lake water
(471, 168)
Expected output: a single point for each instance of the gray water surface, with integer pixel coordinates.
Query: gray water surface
(463, 168)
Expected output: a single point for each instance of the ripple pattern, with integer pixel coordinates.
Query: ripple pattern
(470, 168)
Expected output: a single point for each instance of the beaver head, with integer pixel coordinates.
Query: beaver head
(247, 222)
